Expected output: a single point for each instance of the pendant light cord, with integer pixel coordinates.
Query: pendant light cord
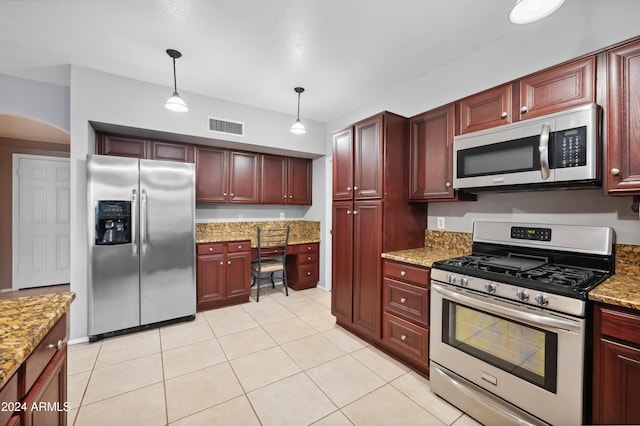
(298, 105)
(175, 85)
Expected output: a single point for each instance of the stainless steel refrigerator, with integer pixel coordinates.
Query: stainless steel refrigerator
(141, 243)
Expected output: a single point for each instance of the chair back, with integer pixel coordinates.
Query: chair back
(272, 243)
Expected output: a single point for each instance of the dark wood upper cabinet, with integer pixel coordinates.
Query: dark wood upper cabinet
(212, 177)
(171, 151)
(343, 165)
(622, 168)
(558, 88)
(490, 108)
(285, 180)
(367, 162)
(431, 154)
(121, 146)
(551, 90)
(243, 177)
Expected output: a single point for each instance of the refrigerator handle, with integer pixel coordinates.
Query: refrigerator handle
(134, 221)
(143, 222)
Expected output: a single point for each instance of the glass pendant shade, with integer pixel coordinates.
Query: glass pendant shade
(298, 128)
(527, 11)
(176, 104)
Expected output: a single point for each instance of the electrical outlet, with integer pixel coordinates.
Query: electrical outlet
(281, 215)
(440, 223)
(240, 216)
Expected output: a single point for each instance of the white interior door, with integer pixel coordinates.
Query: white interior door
(41, 211)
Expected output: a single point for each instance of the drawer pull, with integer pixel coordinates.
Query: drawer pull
(56, 346)
(402, 300)
(240, 247)
(308, 248)
(210, 248)
(308, 257)
(403, 273)
(221, 263)
(403, 337)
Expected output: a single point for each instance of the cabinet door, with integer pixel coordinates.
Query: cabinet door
(299, 178)
(48, 394)
(210, 279)
(622, 170)
(621, 383)
(122, 146)
(488, 109)
(431, 155)
(243, 177)
(171, 151)
(342, 261)
(211, 175)
(367, 276)
(238, 274)
(367, 161)
(273, 185)
(558, 88)
(343, 165)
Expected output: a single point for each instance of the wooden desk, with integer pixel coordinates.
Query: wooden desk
(303, 265)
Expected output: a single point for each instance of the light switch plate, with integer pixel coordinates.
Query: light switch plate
(440, 223)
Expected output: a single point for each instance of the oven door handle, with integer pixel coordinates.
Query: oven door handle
(531, 318)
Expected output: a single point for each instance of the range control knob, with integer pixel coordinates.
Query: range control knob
(451, 279)
(464, 281)
(542, 300)
(522, 295)
(490, 287)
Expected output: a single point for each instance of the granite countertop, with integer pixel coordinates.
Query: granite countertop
(300, 231)
(24, 321)
(423, 256)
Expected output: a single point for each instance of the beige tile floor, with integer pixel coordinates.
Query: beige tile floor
(282, 361)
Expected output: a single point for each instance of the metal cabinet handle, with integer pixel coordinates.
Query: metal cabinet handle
(348, 188)
(355, 188)
(58, 345)
(210, 248)
(308, 257)
(403, 273)
(309, 274)
(221, 263)
(355, 212)
(402, 300)
(348, 211)
(504, 114)
(232, 194)
(524, 109)
(615, 171)
(403, 337)
(285, 197)
(228, 262)
(544, 151)
(448, 184)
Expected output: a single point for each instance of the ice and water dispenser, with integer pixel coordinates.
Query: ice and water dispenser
(113, 222)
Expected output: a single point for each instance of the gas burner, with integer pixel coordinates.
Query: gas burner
(559, 275)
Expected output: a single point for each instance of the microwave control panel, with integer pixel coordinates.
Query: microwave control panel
(570, 148)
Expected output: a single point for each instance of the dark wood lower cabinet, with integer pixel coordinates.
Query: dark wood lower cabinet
(616, 366)
(303, 267)
(46, 402)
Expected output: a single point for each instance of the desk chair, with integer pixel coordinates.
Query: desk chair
(272, 253)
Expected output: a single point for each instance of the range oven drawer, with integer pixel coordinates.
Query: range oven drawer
(406, 337)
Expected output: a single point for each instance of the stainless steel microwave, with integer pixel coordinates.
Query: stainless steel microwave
(560, 149)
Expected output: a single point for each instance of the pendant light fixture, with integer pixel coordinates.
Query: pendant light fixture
(527, 11)
(297, 127)
(175, 102)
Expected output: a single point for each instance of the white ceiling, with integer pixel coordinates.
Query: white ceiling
(344, 52)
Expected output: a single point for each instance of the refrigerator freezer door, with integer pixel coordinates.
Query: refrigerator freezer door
(114, 296)
(167, 240)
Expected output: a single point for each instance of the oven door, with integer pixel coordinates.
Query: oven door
(526, 356)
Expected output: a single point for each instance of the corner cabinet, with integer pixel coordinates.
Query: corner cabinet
(622, 168)
(371, 214)
(616, 365)
(223, 274)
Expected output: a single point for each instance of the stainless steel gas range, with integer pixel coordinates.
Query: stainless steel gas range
(507, 343)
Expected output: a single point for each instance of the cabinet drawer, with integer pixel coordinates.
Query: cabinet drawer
(308, 248)
(404, 272)
(408, 301)
(209, 248)
(406, 337)
(306, 258)
(621, 325)
(43, 353)
(308, 273)
(236, 246)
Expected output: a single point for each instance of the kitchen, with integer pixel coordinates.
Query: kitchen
(585, 206)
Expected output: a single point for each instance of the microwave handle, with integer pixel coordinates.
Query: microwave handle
(544, 151)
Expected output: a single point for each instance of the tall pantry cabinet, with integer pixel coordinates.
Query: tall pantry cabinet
(371, 215)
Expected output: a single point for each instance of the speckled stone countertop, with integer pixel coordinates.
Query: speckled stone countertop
(300, 231)
(623, 288)
(24, 321)
(439, 245)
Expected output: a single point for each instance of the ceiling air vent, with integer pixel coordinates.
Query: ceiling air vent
(228, 127)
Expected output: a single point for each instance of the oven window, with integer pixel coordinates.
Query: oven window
(520, 349)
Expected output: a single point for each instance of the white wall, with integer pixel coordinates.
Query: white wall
(578, 28)
(105, 98)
